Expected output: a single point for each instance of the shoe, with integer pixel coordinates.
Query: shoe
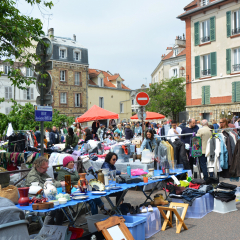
(159, 201)
(132, 210)
(150, 209)
(137, 210)
(144, 209)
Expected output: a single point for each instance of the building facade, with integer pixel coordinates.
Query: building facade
(107, 91)
(212, 58)
(69, 75)
(173, 62)
(8, 92)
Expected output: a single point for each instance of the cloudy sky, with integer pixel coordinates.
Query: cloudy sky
(126, 37)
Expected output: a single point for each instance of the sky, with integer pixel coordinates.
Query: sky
(126, 37)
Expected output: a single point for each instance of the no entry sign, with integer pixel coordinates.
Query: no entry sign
(142, 98)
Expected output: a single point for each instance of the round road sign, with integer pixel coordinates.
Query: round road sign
(142, 98)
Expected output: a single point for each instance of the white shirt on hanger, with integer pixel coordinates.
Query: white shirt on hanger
(172, 133)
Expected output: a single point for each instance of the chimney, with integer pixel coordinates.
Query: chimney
(168, 50)
(51, 33)
(74, 37)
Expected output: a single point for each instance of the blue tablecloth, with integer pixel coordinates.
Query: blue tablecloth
(91, 196)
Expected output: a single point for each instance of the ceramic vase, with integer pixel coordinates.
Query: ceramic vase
(24, 199)
(82, 183)
(100, 176)
(50, 190)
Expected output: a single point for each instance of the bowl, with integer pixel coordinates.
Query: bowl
(62, 200)
(55, 202)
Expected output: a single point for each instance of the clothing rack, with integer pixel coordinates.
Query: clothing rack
(185, 134)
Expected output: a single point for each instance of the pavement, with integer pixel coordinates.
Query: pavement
(212, 226)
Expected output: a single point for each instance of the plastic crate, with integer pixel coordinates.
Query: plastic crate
(209, 202)
(224, 207)
(93, 219)
(152, 224)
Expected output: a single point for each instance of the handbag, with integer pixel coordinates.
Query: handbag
(10, 192)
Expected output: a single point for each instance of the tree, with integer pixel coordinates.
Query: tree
(23, 118)
(18, 34)
(168, 97)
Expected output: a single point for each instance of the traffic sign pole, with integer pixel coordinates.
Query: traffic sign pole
(142, 124)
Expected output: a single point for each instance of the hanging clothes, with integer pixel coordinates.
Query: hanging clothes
(234, 169)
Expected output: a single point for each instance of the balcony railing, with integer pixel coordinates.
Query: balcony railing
(236, 67)
(235, 31)
(205, 39)
(206, 72)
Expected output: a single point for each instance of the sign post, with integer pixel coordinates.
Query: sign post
(142, 99)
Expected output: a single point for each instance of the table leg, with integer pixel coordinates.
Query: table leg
(71, 221)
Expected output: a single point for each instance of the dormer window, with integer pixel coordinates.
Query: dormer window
(119, 85)
(29, 72)
(204, 2)
(175, 52)
(100, 82)
(62, 53)
(76, 55)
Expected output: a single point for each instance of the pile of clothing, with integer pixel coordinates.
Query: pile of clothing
(224, 192)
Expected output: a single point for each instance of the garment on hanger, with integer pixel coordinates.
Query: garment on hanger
(234, 169)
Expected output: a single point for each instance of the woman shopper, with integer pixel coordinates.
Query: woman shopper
(128, 132)
(71, 139)
(69, 169)
(149, 142)
(78, 130)
(89, 136)
(118, 130)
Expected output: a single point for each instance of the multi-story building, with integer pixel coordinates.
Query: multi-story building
(212, 58)
(8, 92)
(134, 105)
(107, 91)
(173, 62)
(69, 75)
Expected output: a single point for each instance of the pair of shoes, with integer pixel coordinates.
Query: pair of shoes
(145, 210)
(132, 210)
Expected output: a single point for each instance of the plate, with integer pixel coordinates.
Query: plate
(172, 173)
(78, 194)
(115, 188)
(98, 192)
(80, 197)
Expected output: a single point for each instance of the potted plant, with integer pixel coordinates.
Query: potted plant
(145, 178)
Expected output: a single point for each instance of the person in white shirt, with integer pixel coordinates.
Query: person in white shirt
(174, 131)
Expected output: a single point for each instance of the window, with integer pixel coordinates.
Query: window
(29, 72)
(236, 59)
(236, 92)
(76, 55)
(62, 53)
(119, 85)
(8, 110)
(101, 102)
(175, 52)
(8, 92)
(78, 100)
(205, 31)
(28, 94)
(63, 98)
(121, 107)
(236, 22)
(63, 75)
(204, 2)
(132, 101)
(175, 72)
(205, 95)
(7, 69)
(77, 78)
(206, 67)
(100, 82)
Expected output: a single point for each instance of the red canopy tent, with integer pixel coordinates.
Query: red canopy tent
(96, 113)
(150, 116)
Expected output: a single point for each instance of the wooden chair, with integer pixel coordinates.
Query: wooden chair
(168, 217)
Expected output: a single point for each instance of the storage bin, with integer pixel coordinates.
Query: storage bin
(224, 207)
(209, 202)
(153, 222)
(93, 219)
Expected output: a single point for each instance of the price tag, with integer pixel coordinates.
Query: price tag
(152, 216)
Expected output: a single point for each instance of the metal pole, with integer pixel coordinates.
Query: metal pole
(142, 124)
(42, 102)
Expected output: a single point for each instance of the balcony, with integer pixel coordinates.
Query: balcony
(235, 31)
(206, 72)
(205, 39)
(236, 67)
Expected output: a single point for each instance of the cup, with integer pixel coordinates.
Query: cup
(113, 176)
(131, 160)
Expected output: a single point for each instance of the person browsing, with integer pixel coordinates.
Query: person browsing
(174, 131)
(149, 142)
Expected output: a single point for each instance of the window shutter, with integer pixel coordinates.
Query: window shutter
(25, 94)
(32, 95)
(203, 95)
(229, 14)
(213, 60)
(212, 29)
(207, 94)
(100, 102)
(6, 92)
(228, 60)
(233, 91)
(196, 33)
(237, 91)
(10, 92)
(75, 100)
(197, 67)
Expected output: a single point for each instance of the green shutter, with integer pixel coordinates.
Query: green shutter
(237, 92)
(229, 14)
(213, 60)
(203, 95)
(212, 29)
(233, 91)
(196, 33)
(197, 67)
(228, 60)
(207, 94)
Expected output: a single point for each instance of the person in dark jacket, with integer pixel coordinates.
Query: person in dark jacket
(183, 124)
(71, 139)
(128, 133)
(95, 126)
(89, 136)
(54, 136)
(38, 134)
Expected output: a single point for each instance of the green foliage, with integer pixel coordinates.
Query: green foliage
(167, 97)
(19, 34)
(23, 118)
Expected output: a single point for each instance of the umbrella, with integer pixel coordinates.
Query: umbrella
(96, 113)
(150, 116)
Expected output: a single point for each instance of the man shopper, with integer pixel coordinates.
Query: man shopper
(54, 136)
(183, 124)
(192, 128)
(37, 134)
(174, 131)
(204, 133)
